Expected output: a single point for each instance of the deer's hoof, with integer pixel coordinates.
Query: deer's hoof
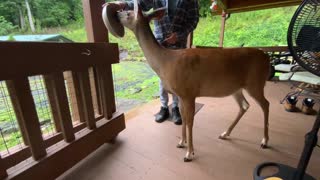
(264, 144)
(181, 144)
(185, 159)
(189, 156)
(223, 136)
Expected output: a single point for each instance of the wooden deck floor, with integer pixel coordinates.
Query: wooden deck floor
(147, 150)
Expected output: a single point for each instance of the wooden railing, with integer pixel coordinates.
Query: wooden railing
(22, 60)
(82, 69)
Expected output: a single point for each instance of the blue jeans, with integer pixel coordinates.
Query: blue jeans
(164, 97)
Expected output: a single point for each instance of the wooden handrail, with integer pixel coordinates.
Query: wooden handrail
(28, 59)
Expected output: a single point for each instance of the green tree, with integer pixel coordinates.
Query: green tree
(5, 26)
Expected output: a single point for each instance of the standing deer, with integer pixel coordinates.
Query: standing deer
(191, 73)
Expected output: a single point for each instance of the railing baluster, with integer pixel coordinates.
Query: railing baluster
(26, 107)
(79, 100)
(107, 90)
(94, 91)
(17, 112)
(52, 101)
(72, 93)
(98, 91)
(3, 172)
(86, 105)
(59, 101)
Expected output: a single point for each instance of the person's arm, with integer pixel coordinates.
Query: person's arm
(186, 18)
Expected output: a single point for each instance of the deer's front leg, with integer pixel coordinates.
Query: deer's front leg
(183, 139)
(187, 112)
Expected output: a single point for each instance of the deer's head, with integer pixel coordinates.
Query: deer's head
(131, 19)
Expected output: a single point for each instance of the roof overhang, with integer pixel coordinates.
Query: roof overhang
(236, 6)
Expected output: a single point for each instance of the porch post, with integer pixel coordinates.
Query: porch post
(223, 23)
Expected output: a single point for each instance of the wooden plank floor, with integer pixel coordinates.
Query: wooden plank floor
(147, 150)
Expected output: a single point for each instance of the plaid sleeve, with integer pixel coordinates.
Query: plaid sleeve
(146, 5)
(186, 18)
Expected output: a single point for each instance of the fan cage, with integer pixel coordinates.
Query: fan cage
(304, 36)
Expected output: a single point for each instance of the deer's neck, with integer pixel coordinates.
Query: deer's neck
(156, 55)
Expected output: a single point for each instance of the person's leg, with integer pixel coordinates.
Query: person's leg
(175, 110)
(164, 110)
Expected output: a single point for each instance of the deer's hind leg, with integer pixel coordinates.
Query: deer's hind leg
(258, 94)
(244, 106)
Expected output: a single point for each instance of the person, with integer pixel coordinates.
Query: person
(172, 31)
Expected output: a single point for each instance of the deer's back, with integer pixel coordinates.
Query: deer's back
(219, 72)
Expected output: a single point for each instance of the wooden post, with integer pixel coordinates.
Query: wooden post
(223, 24)
(25, 104)
(62, 114)
(86, 98)
(97, 32)
(190, 40)
(3, 172)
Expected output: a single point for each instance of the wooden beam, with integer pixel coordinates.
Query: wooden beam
(250, 5)
(86, 99)
(58, 57)
(222, 4)
(61, 104)
(3, 170)
(237, 6)
(25, 103)
(96, 30)
(85, 143)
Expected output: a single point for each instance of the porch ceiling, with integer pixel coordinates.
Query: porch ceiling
(236, 6)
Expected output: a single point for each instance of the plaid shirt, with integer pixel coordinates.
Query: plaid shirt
(182, 22)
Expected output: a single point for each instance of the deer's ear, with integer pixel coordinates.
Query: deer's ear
(156, 14)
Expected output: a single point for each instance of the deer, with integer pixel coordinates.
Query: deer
(202, 72)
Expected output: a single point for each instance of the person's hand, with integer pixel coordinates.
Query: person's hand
(121, 4)
(172, 39)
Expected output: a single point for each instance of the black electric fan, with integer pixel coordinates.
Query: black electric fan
(304, 45)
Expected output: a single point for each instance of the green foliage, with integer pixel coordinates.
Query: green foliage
(204, 9)
(5, 26)
(256, 28)
(46, 13)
